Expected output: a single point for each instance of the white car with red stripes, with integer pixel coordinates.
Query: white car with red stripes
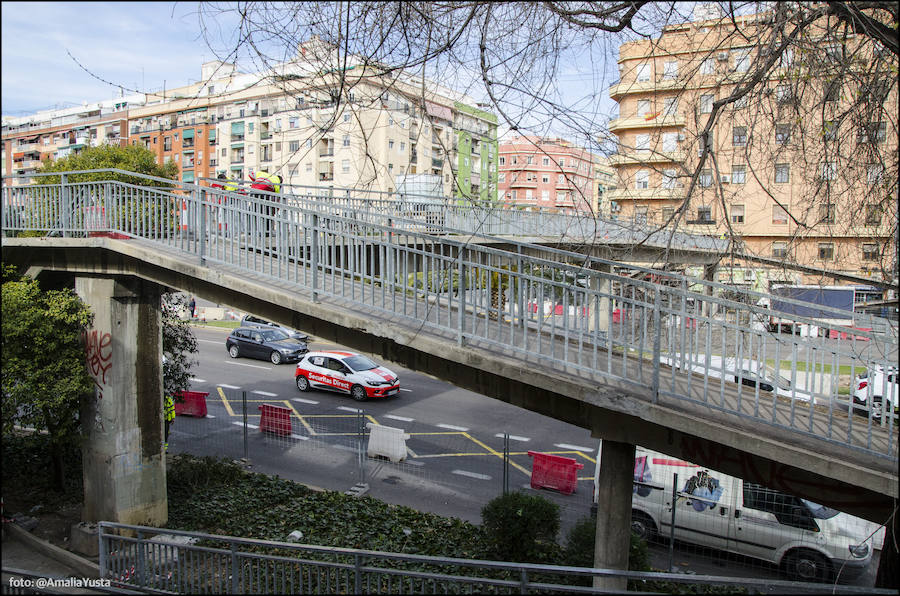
(345, 372)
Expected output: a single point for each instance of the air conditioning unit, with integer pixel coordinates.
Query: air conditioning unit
(722, 57)
(725, 178)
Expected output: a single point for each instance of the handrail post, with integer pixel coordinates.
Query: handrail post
(64, 202)
(202, 230)
(657, 323)
(234, 569)
(104, 545)
(357, 574)
(461, 288)
(314, 257)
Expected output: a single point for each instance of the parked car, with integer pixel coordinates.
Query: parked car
(254, 321)
(882, 388)
(266, 344)
(746, 372)
(345, 372)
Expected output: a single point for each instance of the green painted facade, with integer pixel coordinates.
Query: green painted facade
(482, 162)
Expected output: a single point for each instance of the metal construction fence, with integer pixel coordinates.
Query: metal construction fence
(673, 340)
(716, 520)
(172, 561)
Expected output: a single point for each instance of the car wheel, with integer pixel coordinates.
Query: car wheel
(234, 351)
(877, 407)
(642, 525)
(806, 565)
(302, 383)
(358, 393)
(275, 357)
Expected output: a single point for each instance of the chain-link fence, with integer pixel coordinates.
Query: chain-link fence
(720, 524)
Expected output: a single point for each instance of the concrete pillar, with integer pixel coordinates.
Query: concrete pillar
(599, 316)
(124, 463)
(615, 479)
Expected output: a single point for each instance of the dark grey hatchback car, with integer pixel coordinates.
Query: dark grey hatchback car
(266, 344)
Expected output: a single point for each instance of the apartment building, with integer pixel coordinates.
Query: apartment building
(294, 121)
(547, 173)
(762, 180)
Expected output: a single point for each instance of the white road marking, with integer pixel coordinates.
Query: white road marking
(346, 409)
(250, 365)
(299, 438)
(228, 386)
(451, 427)
(574, 447)
(266, 393)
(211, 341)
(196, 380)
(210, 416)
(414, 463)
(407, 390)
(471, 474)
(242, 424)
(304, 401)
(400, 418)
(513, 437)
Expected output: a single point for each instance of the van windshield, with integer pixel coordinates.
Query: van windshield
(820, 511)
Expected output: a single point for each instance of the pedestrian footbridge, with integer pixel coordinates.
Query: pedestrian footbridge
(653, 358)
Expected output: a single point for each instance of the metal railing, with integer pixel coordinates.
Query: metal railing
(175, 561)
(668, 337)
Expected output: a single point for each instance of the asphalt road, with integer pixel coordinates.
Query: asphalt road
(455, 463)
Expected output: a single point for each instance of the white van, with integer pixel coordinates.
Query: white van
(809, 541)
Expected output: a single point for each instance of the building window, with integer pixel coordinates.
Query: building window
(294, 146)
(167, 143)
(782, 134)
(643, 107)
(874, 173)
(545, 195)
(670, 106)
(643, 72)
(829, 170)
(546, 161)
(832, 90)
(668, 179)
(779, 250)
(545, 178)
(668, 213)
(741, 60)
(782, 173)
(737, 214)
(708, 66)
(706, 103)
(345, 166)
(670, 70)
(515, 160)
(402, 147)
(309, 166)
(826, 251)
(502, 161)
(875, 132)
(870, 252)
(829, 130)
(783, 93)
(779, 215)
(347, 142)
(739, 136)
(309, 143)
(786, 60)
(705, 178)
(738, 174)
(501, 177)
(529, 194)
(642, 180)
(826, 213)
(873, 214)
(642, 142)
(530, 160)
(670, 142)
(704, 214)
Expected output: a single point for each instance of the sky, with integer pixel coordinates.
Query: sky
(141, 46)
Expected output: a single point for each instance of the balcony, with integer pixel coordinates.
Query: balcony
(437, 163)
(663, 194)
(620, 89)
(235, 160)
(264, 135)
(643, 122)
(523, 184)
(326, 176)
(237, 138)
(326, 153)
(646, 157)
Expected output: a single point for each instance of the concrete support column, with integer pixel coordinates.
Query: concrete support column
(599, 315)
(615, 479)
(124, 463)
(709, 274)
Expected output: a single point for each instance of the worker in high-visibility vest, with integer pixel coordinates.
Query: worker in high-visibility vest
(271, 183)
(169, 412)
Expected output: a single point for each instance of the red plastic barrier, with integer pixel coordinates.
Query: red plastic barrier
(617, 316)
(193, 403)
(554, 472)
(275, 419)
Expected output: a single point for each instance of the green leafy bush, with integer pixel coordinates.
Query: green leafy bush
(522, 528)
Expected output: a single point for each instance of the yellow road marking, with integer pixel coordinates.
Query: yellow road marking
(302, 421)
(225, 401)
(500, 455)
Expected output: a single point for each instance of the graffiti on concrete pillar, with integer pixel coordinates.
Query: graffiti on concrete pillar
(98, 353)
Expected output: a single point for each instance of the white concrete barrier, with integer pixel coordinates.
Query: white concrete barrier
(387, 441)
